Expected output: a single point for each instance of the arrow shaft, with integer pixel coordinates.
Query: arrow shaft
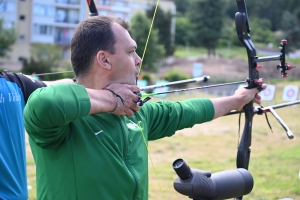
(193, 80)
(189, 89)
(50, 73)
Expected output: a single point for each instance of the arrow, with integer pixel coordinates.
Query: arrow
(193, 80)
(189, 89)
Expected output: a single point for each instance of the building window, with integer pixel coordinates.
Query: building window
(67, 16)
(22, 17)
(104, 2)
(61, 15)
(8, 24)
(21, 59)
(63, 36)
(136, 5)
(22, 38)
(74, 2)
(62, 1)
(7, 6)
(119, 4)
(43, 29)
(45, 10)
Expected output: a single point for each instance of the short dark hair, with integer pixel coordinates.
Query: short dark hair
(90, 36)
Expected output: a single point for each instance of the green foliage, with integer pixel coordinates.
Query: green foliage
(163, 25)
(45, 58)
(229, 35)
(283, 16)
(206, 19)
(139, 32)
(291, 26)
(181, 6)
(147, 77)
(261, 30)
(175, 75)
(183, 31)
(7, 38)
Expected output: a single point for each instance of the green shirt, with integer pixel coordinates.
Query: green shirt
(100, 156)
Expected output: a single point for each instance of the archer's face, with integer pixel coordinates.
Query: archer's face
(125, 62)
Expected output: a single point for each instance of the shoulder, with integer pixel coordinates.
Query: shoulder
(26, 83)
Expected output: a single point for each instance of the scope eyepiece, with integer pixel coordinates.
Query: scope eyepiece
(182, 169)
(198, 184)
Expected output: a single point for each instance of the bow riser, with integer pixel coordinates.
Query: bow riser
(243, 32)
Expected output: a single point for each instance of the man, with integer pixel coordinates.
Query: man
(14, 92)
(88, 139)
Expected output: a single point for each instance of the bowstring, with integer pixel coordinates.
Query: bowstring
(140, 67)
(148, 37)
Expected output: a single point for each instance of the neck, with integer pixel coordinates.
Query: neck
(93, 81)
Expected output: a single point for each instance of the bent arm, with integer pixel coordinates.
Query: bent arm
(62, 81)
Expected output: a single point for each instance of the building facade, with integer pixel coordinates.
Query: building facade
(54, 21)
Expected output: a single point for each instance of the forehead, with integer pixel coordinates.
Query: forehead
(122, 35)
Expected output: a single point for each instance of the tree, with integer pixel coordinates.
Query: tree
(140, 25)
(261, 30)
(291, 29)
(206, 18)
(183, 30)
(7, 38)
(162, 23)
(181, 6)
(45, 58)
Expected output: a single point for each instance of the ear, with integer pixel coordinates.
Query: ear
(102, 59)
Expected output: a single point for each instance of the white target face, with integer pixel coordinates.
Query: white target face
(290, 93)
(268, 93)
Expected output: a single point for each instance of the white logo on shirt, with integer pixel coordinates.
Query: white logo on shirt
(132, 125)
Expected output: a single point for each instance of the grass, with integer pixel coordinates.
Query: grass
(274, 162)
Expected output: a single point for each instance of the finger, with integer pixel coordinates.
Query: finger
(129, 113)
(258, 97)
(263, 87)
(134, 88)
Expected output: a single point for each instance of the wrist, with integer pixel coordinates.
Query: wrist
(117, 97)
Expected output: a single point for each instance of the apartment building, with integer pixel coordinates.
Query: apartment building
(40, 21)
(53, 22)
(127, 8)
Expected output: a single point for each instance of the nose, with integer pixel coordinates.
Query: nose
(138, 60)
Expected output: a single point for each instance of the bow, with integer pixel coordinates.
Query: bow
(243, 33)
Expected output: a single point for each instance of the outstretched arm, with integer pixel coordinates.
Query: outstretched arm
(242, 96)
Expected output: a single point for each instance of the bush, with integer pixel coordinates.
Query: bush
(175, 75)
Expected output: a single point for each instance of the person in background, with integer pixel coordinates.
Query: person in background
(15, 88)
(89, 140)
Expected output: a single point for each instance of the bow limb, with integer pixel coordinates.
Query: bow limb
(92, 8)
(243, 32)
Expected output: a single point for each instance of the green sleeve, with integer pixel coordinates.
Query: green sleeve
(49, 111)
(165, 118)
